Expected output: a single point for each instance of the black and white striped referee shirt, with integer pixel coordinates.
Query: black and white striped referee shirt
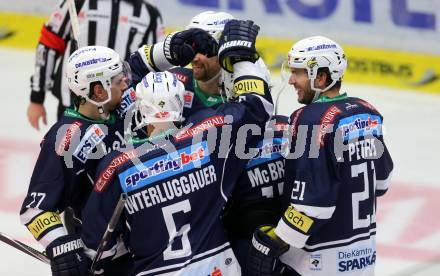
(123, 25)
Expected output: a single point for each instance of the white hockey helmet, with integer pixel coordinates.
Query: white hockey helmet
(212, 22)
(317, 52)
(159, 98)
(92, 64)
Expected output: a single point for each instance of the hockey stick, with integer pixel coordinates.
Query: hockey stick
(277, 99)
(74, 23)
(24, 248)
(282, 85)
(110, 228)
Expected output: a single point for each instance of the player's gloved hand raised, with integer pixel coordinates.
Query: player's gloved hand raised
(237, 43)
(181, 47)
(264, 252)
(67, 256)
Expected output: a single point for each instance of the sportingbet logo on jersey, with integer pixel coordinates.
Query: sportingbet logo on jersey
(93, 137)
(268, 150)
(164, 166)
(360, 125)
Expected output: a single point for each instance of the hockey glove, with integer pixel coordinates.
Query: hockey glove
(181, 47)
(264, 252)
(67, 256)
(237, 43)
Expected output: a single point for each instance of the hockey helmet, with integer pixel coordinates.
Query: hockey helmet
(317, 52)
(93, 64)
(159, 98)
(212, 22)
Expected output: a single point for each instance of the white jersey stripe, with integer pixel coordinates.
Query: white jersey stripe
(316, 212)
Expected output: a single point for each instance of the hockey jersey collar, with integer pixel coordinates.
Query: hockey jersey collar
(325, 99)
(207, 99)
(75, 114)
(137, 141)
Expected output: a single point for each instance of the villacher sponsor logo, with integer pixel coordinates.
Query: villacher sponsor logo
(43, 222)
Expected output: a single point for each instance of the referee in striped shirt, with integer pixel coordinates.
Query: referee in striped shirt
(123, 25)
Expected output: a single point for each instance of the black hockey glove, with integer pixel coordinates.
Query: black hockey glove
(181, 47)
(263, 255)
(67, 256)
(237, 43)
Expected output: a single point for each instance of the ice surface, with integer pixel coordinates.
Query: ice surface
(409, 224)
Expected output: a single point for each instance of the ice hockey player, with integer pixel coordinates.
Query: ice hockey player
(330, 223)
(70, 151)
(178, 187)
(202, 81)
(256, 199)
(203, 92)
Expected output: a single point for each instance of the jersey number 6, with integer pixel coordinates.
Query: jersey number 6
(168, 211)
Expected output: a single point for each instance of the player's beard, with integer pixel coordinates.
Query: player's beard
(203, 71)
(306, 95)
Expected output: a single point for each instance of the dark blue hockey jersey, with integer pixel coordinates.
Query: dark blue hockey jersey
(63, 174)
(256, 199)
(338, 165)
(177, 186)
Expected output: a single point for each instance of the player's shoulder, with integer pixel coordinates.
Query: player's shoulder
(364, 105)
(65, 128)
(111, 165)
(184, 75)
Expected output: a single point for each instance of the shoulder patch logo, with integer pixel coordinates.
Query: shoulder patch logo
(327, 120)
(89, 141)
(108, 173)
(183, 78)
(294, 122)
(206, 124)
(64, 144)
